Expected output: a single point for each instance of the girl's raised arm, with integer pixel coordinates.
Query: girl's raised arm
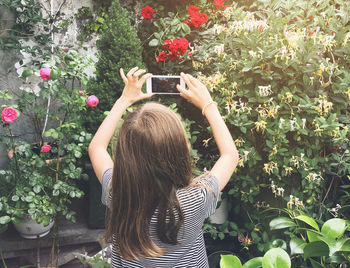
(198, 94)
(132, 93)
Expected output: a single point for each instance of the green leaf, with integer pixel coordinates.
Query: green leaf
(27, 73)
(281, 222)
(5, 219)
(15, 198)
(297, 246)
(230, 261)
(334, 228)
(153, 43)
(346, 245)
(315, 264)
(253, 263)
(309, 221)
(276, 258)
(316, 249)
(54, 74)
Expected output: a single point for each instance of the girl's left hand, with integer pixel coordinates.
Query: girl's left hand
(132, 90)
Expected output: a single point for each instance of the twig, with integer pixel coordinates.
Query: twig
(2, 258)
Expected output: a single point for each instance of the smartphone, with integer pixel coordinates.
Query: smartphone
(164, 84)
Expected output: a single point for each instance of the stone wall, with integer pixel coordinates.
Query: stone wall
(11, 69)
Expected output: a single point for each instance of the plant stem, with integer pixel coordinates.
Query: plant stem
(14, 153)
(2, 258)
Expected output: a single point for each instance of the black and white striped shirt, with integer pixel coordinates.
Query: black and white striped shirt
(198, 203)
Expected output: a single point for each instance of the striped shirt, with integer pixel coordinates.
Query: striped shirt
(197, 203)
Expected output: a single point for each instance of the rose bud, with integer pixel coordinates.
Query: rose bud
(45, 73)
(46, 148)
(92, 101)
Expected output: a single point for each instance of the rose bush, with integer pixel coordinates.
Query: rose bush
(280, 74)
(42, 177)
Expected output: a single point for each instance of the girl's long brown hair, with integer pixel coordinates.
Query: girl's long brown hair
(151, 162)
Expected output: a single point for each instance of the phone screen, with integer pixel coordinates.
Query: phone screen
(165, 84)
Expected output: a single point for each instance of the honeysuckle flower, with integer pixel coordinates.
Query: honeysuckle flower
(245, 241)
(92, 101)
(9, 115)
(304, 122)
(270, 166)
(219, 49)
(147, 12)
(281, 123)
(293, 124)
(228, 11)
(260, 125)
(45, 73)
(288, 170)
(46, 148)
(312, 177)
(265, 91)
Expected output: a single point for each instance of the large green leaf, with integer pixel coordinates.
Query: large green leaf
(316, 249)
(297, 246)
(230, 261)
(281, 222)
(253, 263)
(333, 244)
(334, 228)
(309, 221)
(276, 258)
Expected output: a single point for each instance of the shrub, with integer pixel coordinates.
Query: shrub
(279, 71)
(118, 47)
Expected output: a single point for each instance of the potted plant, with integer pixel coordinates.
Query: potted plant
(41, 178)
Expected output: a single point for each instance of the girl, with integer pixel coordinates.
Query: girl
(156, 209)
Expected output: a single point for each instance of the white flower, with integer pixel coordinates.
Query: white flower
(219, 49)
(265, 91)
(281, 123)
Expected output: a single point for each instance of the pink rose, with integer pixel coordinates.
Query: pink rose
(92, 101)
(46, 148)
(8, 115)
(45, 73)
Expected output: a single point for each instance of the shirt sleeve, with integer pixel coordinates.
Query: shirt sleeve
(209, 186)
(106, 179)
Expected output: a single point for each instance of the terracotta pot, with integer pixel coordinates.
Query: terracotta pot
(30, 229)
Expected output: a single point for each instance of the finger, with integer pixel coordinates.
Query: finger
(187, 81)
(146, 96)
(137, 73)
(183, 92)
(144, 78)
(194, 81)
(131, 72)
(123, 75)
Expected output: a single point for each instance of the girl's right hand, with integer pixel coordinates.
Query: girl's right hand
(197, 93)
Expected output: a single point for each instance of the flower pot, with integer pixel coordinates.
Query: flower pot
(30, 229)
(221, 213)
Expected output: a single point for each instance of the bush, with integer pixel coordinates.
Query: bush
(118, 47)
(279, 71)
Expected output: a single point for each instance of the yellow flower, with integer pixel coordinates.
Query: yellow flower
(270, 166)
(260, 125)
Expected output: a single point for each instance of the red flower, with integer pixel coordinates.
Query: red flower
(46, 148)
(171, 56)
(311, 18)
(196, 21)
(295, 19)
(311, 32)
(219, 4)
(179, 46)
(9, 115)
(92, 101)
(147, 12)
(193, 10)
(45, 73)
(167, 43)
(161, 57)
(6, 90)
(81, 92)
(204, 17)
(333, 32)
(190, 55)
